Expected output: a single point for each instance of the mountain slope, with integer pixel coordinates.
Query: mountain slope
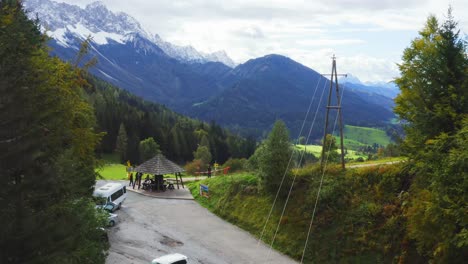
(248, 98)
(275, 86)
(65, 22)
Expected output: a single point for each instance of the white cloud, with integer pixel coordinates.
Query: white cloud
(307, 31)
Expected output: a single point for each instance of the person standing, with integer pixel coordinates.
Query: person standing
(139, 180)
(136, 179)
(209, 171)
(130, 177)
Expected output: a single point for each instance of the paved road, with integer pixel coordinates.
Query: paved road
(151, 227)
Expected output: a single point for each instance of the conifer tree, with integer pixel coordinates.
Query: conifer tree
(433, 102)
(274, 157)
(47, 147)
(122, 143)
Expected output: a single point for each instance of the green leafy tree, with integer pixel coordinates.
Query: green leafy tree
(203, 153)
(121, 143)
(148, 149)
(331, 153)
(433, 102)
(301, 140)
(273, 157)
(47, 159)
(433, 84)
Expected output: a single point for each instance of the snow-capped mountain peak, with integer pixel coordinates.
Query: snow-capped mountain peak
(65, 22)
(350, 79)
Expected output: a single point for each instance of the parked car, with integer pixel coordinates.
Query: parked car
(112, 219)
(175, 258)
(109, 208)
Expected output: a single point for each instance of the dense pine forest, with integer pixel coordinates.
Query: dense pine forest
(177, 136)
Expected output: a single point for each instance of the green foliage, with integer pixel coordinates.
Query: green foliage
(203, 154)
(331, 153)
(434, 103)
(195, 166)
(178, 136)
(437, 213)
(47, 160)
(301, 140)
(122, 143)
(148, 149)
(235, 165)
(273, 157)
(204, 142)
(433, 84)
(359, 217)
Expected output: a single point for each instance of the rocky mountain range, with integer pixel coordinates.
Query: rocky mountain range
(247, 98)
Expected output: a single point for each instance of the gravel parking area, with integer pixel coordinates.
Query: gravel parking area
(149, 227)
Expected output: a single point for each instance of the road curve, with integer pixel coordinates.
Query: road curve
(150, 227)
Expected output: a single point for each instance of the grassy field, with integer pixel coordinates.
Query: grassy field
(113, 172)
(111, 169)
(317, 151)
(355, 136)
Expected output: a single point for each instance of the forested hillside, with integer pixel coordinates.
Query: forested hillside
(178, 136)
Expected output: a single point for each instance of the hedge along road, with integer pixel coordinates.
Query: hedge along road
(150, 227)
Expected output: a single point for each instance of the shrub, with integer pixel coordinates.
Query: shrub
(235, 164)
(195, 166)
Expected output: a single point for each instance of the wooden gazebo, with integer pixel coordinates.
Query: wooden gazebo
(160, 165)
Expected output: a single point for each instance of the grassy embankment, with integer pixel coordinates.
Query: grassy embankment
(359, 217)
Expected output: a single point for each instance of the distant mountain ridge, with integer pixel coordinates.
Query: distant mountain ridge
(247, 98)
(388, 89)
(105, 27)
(274, 86)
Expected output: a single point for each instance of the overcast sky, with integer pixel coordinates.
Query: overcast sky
(367, 36)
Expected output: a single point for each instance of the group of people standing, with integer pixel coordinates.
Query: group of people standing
(137, 180)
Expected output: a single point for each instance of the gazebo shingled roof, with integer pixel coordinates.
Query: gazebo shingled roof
(158, 165)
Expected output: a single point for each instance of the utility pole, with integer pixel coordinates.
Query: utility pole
(334, 76)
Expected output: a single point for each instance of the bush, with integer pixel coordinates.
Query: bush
(235, 164)
(195, 166)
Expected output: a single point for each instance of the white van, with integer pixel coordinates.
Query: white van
(115, 194)
(175, 258)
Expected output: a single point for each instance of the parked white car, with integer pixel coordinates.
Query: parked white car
(112, 219)
(109, 208)
(175, 258)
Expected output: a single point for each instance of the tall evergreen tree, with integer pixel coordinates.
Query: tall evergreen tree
(47, 147)
(433, 84)
(434, 103)
(122, 143)
(274, 157)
